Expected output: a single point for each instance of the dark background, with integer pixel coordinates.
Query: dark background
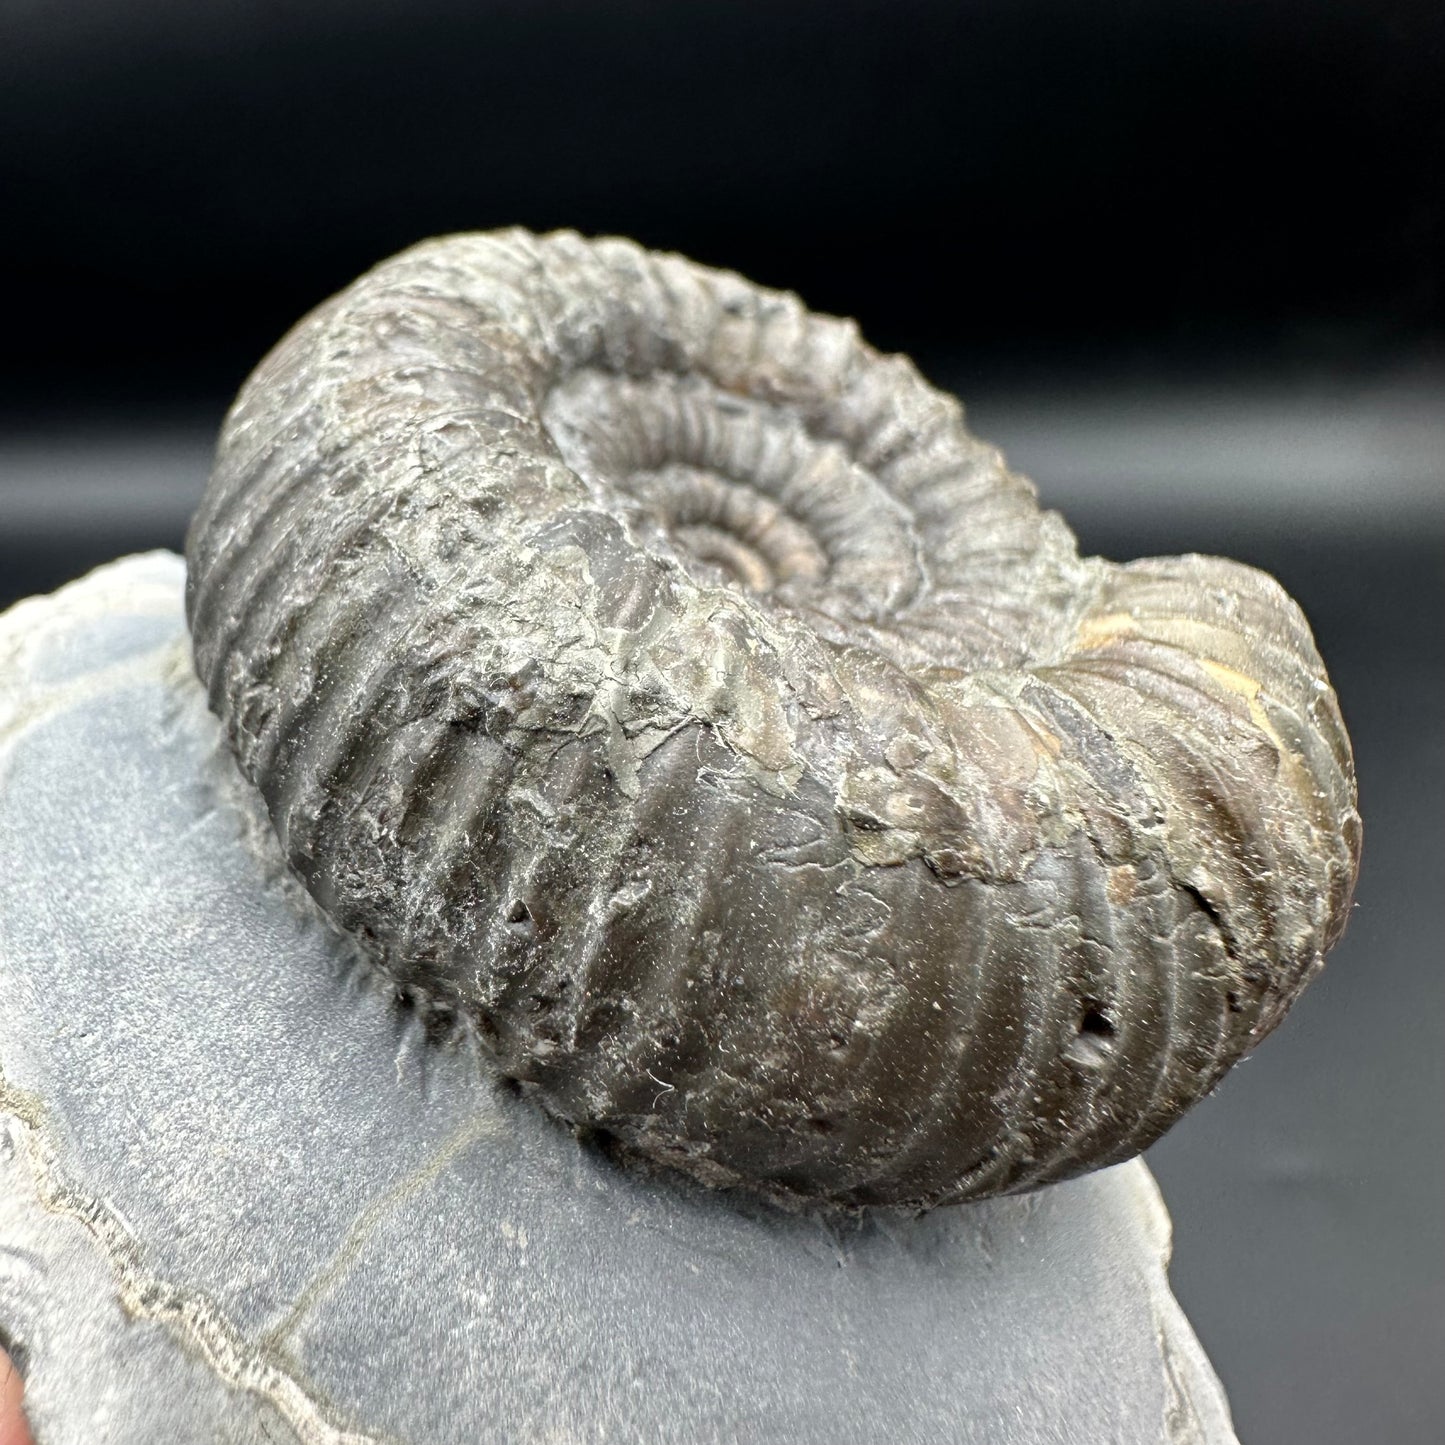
(1184, 260)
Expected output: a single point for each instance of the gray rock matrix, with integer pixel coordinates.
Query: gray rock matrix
(244, 1197)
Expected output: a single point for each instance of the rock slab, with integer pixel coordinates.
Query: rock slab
(245, 1197)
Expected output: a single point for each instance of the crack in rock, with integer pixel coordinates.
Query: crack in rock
(367, 1221)
(195, 1323)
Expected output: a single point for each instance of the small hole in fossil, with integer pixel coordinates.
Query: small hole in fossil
(821, 1126)
(1094, 1041)
(519, 919)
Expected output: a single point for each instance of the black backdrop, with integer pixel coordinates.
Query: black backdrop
(1031, 182)
(1039, 199)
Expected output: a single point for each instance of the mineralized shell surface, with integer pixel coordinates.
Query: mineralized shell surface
(641, 666)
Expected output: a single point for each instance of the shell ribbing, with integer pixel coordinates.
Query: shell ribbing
(647, 669)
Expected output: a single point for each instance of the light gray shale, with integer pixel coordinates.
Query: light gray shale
(647, 669)
(244, 1198)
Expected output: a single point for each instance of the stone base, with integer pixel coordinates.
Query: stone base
(243, 1196)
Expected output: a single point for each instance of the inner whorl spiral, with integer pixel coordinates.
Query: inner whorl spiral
(646, 669)
(738, 486)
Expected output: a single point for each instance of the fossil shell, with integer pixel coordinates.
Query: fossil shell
(648, 670)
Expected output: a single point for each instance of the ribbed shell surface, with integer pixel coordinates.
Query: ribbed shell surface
(648, 670)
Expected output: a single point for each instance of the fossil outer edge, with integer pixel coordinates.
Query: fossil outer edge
(647, 670)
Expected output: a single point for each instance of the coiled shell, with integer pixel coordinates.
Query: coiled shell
(646, 668)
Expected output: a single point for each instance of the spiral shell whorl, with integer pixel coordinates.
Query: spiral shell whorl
(652, 672)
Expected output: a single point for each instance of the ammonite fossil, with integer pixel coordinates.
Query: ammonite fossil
(650, 672)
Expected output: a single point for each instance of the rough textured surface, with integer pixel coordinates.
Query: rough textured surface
(649, 670)
(244, 1198)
